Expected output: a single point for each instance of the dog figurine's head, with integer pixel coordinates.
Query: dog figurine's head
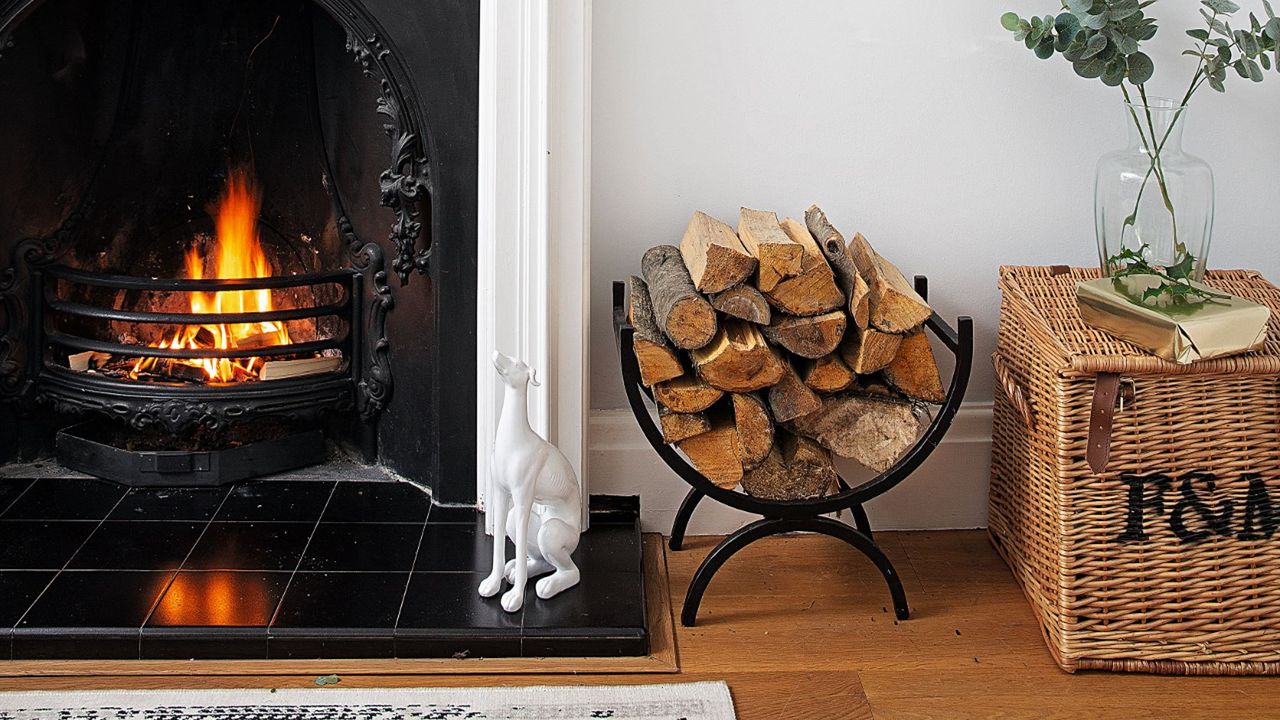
(514, 372)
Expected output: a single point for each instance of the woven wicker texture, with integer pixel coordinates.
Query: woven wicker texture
(1193, 596)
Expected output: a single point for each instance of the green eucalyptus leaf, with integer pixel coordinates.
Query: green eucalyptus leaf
(1265, 60)
(1095, 22)
(1079, 7)
(1010, 21)
(1044, 50)
(1124, 44)
(1216, 84)
(1114, 73)
(1199, 34)
(1222, 7)
(1140, 68)
(1090, 69)
(1267, 6)
(1272, 29)
(1255, 72)
(1241, 68)
(1096, 45)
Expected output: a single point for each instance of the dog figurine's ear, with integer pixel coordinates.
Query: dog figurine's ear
(533, 378)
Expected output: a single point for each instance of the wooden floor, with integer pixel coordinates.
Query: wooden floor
(800, 628)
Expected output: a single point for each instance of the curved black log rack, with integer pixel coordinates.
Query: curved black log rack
(784, 516)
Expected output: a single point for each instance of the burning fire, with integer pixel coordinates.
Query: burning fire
(236, 253)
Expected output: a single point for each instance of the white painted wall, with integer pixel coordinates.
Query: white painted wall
(921, 124)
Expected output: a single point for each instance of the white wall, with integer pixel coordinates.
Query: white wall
(922, 125)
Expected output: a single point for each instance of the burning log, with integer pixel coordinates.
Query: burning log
(285, 369)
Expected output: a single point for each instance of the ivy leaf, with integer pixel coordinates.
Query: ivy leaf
(1183, 269)
(1140, 68)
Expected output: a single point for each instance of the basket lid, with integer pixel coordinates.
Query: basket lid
(1049, 294)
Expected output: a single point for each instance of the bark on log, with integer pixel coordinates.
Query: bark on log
(914, 370)
(827, 374)
(814, 290)
(809, 337)
(895, 306)
(681, 426)
(743, 302)
(713, 254)
(686, 394)
(716, 453)
(679, 309)
(790, 398)
(658, 361)
(755, 429)
(872, 431)
(738, 359)
(854, 287)
(866, 351)
(796, 468)
(778, 258)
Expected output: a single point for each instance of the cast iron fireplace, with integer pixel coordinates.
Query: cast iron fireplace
(225, 218)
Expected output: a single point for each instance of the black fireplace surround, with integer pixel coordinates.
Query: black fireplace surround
(359, 120)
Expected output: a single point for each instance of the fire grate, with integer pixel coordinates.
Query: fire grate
(176, 406)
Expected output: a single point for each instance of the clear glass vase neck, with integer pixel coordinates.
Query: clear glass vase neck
(1156, 125)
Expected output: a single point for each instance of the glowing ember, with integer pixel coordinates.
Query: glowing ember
(237, 253)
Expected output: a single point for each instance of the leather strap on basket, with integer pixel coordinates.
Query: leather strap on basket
(1105, 389)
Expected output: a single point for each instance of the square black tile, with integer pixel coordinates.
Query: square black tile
(362, 546)
(443, 514)
(330, 647)
(211, 615)
(89, 614)
(584, 645)
(340, 604)
(10, 490)
(44, 545)
(169, 504)
(377, 502)
(279, 500)
(18, 589)
(51, 499)
(137, 546)
(250, 546)
(610, 547)
(602, 604)
(439, 602)
(455, 548)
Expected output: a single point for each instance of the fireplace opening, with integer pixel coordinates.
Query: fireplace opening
(220, 222)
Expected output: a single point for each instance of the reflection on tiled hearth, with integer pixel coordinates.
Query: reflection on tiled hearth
(288, 569)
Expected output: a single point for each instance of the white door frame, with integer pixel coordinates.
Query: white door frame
(534, 216)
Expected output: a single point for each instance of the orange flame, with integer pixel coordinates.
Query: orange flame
(237, 253)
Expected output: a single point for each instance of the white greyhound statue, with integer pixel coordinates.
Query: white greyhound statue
(533, 486)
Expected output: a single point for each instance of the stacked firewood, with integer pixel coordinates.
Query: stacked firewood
(770, 348)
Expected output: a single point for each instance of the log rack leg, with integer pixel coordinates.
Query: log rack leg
(681, 523)
(860, 520)
(775, 526)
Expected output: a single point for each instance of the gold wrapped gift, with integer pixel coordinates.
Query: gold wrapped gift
(1181, 332)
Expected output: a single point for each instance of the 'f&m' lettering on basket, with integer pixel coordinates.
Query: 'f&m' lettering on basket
(1190, 516)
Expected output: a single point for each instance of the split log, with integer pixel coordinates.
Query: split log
(716, 453)
(895, 306)
(743, 302)
(285, 369)
(755, 429)
(678, 308)
(686, 394)
(827, 374)
(814, 290)
(796, 468)
(658, 361)
(872, 431)
(914, 370)
(866, 351)
(681, 426)
(738, 359)
(790, 398)
(809, 337)
(713, 254)
(778, 258)
(834, 248)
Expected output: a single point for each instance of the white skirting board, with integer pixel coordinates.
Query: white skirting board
(949, 491)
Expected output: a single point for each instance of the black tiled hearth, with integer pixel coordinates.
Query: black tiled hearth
(289, 569)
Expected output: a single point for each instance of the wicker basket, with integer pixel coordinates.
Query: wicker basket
(1167, 559)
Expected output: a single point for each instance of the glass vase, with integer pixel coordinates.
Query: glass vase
(1153, 200)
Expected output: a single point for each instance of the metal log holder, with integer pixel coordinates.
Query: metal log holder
(784, 516)
(176, 407)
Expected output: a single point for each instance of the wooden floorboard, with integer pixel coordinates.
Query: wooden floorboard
(800, 627)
